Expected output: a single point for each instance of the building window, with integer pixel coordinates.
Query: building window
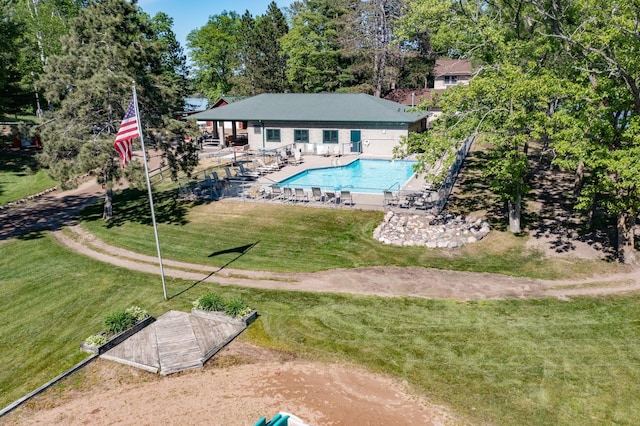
(329, 136)
(300, 136)
(273, 135)
(450, 79)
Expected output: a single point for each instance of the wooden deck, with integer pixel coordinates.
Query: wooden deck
(176, 341)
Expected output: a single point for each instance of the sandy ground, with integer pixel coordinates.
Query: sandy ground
(239, 386)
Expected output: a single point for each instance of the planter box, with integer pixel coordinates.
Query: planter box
(118, 338)
(222, 317)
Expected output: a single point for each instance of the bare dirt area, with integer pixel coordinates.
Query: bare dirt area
(239, 386)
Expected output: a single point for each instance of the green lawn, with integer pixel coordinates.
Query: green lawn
(300, 238)
(503, 362)
(20, 177)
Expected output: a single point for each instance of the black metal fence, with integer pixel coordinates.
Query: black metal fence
(449, 181)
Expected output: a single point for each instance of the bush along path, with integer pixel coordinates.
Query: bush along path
(381, 281)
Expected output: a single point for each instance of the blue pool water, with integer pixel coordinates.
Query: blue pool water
(362, 176)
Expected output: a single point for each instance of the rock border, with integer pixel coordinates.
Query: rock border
(42, 193)
(431, 231)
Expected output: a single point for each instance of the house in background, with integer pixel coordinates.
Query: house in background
(449, 72)
(413, 97)
(326, 123)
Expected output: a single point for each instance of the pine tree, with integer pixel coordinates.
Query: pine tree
(314, 59)
(110, 46)
(262, 62)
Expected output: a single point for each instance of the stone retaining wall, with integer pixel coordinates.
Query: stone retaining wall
(72, 181)
(430, 231)
(29, 198)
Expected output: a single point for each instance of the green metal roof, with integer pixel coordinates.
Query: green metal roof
(322, 107)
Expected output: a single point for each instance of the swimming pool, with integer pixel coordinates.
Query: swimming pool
(361, 176)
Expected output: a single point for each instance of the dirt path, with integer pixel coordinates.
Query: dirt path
(381, 281)
(50, 212)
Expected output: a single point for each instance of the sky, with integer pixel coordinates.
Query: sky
(189, 15)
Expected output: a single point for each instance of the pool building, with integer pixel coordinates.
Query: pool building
(326, 123)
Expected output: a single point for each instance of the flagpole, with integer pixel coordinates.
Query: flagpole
(146, 173)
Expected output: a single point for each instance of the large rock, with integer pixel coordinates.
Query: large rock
(430, 231)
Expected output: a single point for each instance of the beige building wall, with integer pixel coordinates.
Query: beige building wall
(440, 84)
(377, 139)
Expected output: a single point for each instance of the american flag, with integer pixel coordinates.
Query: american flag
(128, 130)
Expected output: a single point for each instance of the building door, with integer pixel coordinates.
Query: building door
(356, 143)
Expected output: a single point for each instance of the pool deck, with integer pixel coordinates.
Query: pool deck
(361, 200)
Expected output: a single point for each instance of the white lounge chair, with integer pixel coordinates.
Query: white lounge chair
(246, 172)
(263, 168)
(288, 194)
(300, 195)
(345, 198)
(317, 194)
(330, 197)
(297, 157)
(276, 192)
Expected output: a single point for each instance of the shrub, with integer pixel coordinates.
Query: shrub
(210, 302)
(119, 321)
(236, 307)
(96, 340)
(138, 313)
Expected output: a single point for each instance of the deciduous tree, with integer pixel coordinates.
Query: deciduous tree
(214, 50)
(45, 22)
(10, 91)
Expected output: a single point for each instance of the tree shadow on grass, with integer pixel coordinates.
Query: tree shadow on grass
(33, 235)
(471, 193)
(548, 211)
(132, 205)
(551, 212)
(49, 213)
(241, 250)
(19, 162)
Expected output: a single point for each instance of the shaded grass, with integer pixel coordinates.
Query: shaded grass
(262, 236)
(20, 176)
(505, 362)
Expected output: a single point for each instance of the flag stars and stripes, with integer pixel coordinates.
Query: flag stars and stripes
(129, 129)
